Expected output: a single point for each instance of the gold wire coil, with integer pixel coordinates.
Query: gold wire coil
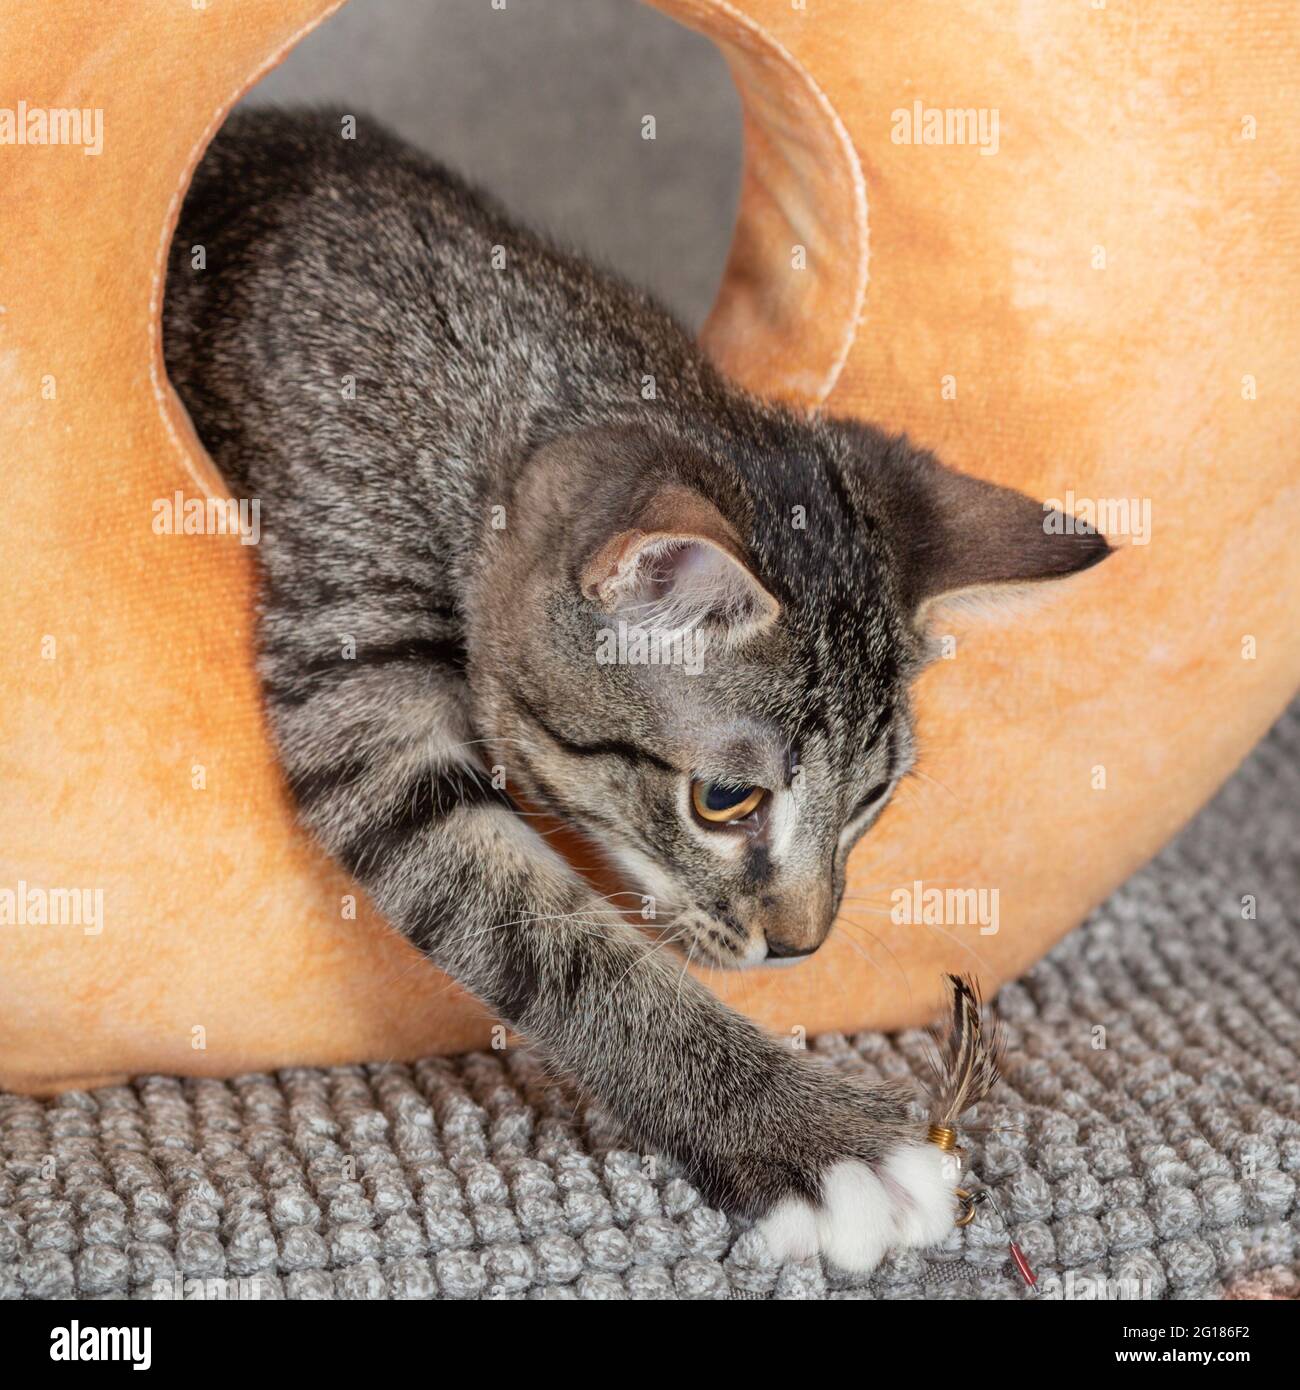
(944, 1136)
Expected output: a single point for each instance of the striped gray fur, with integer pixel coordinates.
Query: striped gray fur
(449, 428)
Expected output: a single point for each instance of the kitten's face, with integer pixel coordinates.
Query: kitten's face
(731, 795)
(706, 668)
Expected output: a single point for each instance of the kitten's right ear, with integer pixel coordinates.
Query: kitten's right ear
(955, 534)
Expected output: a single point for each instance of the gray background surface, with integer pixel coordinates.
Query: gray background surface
(541, 103)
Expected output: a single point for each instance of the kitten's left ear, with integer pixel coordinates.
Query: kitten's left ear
(680, 567)
(955, 534)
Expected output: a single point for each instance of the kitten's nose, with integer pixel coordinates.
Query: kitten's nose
(797, 919)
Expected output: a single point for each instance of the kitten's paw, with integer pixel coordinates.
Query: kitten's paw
(868, 1209)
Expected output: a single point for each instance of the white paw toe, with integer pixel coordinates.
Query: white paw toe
(927, 1207)
(855, 1225)
(790, 1229)
(908, 1201)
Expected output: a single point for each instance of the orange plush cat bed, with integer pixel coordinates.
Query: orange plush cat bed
(1060, 244)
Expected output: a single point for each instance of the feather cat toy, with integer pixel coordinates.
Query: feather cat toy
(964, 1068)
(966, 1064)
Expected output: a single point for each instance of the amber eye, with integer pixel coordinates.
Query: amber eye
(721, 803)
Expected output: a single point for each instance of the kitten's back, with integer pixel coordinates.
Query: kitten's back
(327, 259)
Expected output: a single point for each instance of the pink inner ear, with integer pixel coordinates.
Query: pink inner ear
(697, 563)
(655, 572)
(702, 578)
(678, 582)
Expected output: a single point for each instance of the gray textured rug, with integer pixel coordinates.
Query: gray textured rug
(1145, 1143)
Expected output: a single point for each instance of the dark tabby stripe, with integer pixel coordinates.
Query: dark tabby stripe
(758, 867)
(517, 980)
(309, 785)
(877, 728)
(432, 795)
(311, 678)
(871, 794)
(879, 789)
(608, 748)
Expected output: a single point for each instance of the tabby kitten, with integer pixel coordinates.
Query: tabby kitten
(686, 624)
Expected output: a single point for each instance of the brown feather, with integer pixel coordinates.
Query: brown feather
(967, 1059)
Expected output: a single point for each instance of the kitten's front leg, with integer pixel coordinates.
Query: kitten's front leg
(826, 1165)
(764, 1132)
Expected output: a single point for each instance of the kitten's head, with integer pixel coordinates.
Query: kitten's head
(700, 651)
